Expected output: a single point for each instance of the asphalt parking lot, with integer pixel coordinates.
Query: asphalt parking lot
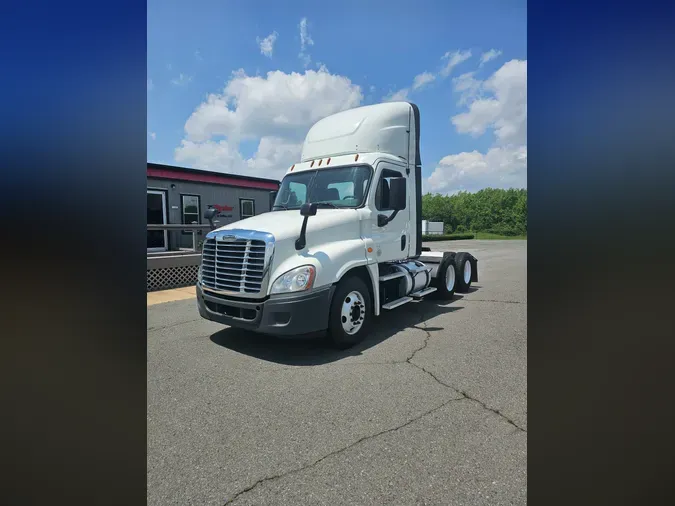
(431, 409)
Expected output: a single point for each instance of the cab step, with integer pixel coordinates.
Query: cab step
(396, 303)
(422, 293)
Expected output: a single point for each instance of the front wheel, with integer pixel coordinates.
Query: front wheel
(350, 313)
(463, 271)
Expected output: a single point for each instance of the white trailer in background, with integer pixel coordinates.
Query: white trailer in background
(343, 241)
(432, 227)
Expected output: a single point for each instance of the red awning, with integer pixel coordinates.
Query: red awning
(211, 178)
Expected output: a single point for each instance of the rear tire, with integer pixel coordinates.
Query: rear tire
(351, 313)
(463, 271)
(446, 280)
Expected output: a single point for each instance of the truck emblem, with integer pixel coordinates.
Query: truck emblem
(227, 238)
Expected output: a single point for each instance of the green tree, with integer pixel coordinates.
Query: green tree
(487, 210)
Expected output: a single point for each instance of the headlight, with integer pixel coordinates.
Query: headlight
(296, 280)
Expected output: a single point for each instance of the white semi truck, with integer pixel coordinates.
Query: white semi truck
(343, 241)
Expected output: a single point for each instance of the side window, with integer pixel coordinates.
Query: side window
(246, 208)
(382, 191)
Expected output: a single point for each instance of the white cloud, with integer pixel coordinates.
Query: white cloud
(267, 44)
(150, 84)
(278, 104)
(274, 154)
(489, 55)
(396, 96)
(305, 42)
(500, 167)
(468, 86)
(504, 112)
(181, 80)
(305, 38)
(422, 80)
(271, 160)
(452, 59)
(277, 109)
(152, 135)
(198, 56)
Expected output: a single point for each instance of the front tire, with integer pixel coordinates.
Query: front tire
(463, 271)
(351, 313)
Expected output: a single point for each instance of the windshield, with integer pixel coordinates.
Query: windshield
(340, 187)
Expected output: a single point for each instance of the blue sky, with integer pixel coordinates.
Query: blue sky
(274, 68)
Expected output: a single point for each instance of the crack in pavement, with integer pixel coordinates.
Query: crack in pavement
(457, 390)
(336, 452)
(464, 397)
(173, 325)
(494, 300)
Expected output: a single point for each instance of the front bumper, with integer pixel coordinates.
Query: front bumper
(283, 315)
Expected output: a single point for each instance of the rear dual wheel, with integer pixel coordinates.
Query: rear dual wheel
(446, 279)
(463, 272)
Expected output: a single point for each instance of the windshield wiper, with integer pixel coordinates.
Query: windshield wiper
(285, 208)
(326, 204)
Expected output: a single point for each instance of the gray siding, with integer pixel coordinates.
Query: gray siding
(209, 194)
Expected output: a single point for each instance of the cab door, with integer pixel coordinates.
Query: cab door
(392, 239)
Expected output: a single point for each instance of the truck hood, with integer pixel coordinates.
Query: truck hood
(333, 241)
(284, 225)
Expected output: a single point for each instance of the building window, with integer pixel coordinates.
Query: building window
(190, 209)
(246, 208)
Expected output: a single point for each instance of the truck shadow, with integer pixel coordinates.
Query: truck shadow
(316, 351)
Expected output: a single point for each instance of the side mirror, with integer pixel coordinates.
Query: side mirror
(397, 193)
(209, 214)
(308, 209)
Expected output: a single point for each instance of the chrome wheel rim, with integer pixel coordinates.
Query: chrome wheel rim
(467, 272)
(353, 312)
(450, 278)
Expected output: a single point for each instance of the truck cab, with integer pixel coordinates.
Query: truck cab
(343, 241)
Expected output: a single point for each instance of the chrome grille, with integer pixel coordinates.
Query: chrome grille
(236, 265)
